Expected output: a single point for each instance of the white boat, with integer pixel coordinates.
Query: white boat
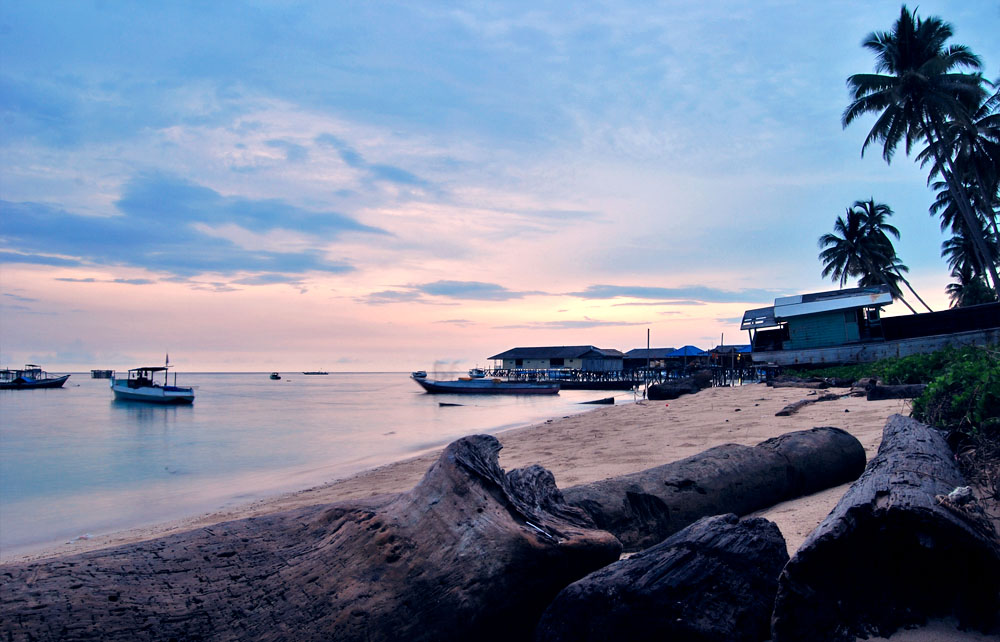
(477, 373)
(484, 386)
(140, 386)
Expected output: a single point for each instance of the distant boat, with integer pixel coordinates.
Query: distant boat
(31, 376)
(477, 373)
(419, 374)
(139, 386)
(316, 372)
(488, 386)
(275, 376)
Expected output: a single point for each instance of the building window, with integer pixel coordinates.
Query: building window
(518, 363)
(557, 362)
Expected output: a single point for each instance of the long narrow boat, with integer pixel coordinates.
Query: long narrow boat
(139, 386)
(28, 378)
(488, 386)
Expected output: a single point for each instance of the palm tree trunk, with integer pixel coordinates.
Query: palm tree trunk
(961, 199)
(910, 288)
(885, 282)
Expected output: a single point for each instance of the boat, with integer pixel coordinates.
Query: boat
(477, 373)
(101, 374)
(419, 374)
(275, 376)
(316, 372)
(140, 386)
(29, 377)
(488, 386)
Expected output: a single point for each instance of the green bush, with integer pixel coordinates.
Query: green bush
(966, 395)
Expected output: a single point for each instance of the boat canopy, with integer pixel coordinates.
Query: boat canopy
(758, 319)
(149, 369)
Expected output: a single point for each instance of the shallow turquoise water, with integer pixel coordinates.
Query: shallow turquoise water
(74, 462)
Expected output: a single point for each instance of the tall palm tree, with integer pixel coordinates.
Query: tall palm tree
(968, 289)
(918, 90)
(850, 251)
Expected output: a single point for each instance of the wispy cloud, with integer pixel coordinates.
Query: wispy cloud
(576, 324)
(694, 294)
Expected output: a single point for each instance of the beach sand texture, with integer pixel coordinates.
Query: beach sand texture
(610, 441)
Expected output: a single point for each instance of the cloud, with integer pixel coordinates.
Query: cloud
(171, 225)
(471, 290)
(374, 171)
(694, 293)
(294, 153)
(584, 323)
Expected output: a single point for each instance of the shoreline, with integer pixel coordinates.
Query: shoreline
(594, 444)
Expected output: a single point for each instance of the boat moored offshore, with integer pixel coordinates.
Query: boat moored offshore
(139, 385)
(29, 377)
(488, 386)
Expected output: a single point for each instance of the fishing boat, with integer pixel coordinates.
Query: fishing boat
(419, 374)
(29, 377)
(477, 373)
(275, 376)
(139, 385)
(488, 386)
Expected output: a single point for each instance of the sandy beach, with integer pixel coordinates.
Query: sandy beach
(609, 441)
(596, 444)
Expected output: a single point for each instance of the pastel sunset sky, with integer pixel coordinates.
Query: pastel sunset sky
(285, 185)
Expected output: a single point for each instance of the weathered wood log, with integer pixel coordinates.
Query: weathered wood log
(813, 383)
(793, 408)
(643, 508)
(907, 391)
(673, 389)
(469, 553)
(713, 581)
(892, 553)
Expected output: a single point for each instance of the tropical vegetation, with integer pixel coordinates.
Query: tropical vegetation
(927, 92)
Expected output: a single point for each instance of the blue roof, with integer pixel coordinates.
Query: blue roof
(687, 351)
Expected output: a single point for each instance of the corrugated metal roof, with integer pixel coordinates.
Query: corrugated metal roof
(652, 353)
(758, 318)
(848, 299)
(559, 352)
(687, 351)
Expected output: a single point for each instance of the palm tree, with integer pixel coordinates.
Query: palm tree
(852, 251)
(878, 231)
(968, 289)
(917, 93)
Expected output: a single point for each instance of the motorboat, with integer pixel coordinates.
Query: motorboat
(140, 385)
(419, 374)
(275, 376)
(488, 386)
(29, 377)
(477, 373)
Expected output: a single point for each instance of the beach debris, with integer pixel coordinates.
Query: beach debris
(891, 554)
(713, 580)
(785, 381)
(674, 389)
(793, 408)
(877, 392)
(643, 508)
(471, 552)
(448, 405)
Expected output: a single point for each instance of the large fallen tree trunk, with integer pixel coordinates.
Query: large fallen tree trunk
(673, 389)
(643, 508)
(469, 553)
(906, 391)
(713, 581)
(894, 551)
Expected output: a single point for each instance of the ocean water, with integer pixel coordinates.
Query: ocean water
(74, 462)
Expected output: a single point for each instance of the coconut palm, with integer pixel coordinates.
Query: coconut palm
(878, 230)
(853, 251)
(918, 91)
(968, 289)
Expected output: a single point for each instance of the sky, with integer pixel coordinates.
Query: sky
(391, 186)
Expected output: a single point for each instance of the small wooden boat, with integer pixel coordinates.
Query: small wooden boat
(488, 386)
(139, 386)
(275, 376)
(477, 373)
(28, 378)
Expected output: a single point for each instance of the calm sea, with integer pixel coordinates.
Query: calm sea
(74, 463)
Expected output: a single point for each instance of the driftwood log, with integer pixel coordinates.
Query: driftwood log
(893, 552)
(643, 508)
(813, 383)
(674, 389)
(793, 408)
(713, 581)
(469, 553)
(906, 391)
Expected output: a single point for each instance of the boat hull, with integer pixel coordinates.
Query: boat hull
(488, 387)
(31, 384)
(157, 395)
